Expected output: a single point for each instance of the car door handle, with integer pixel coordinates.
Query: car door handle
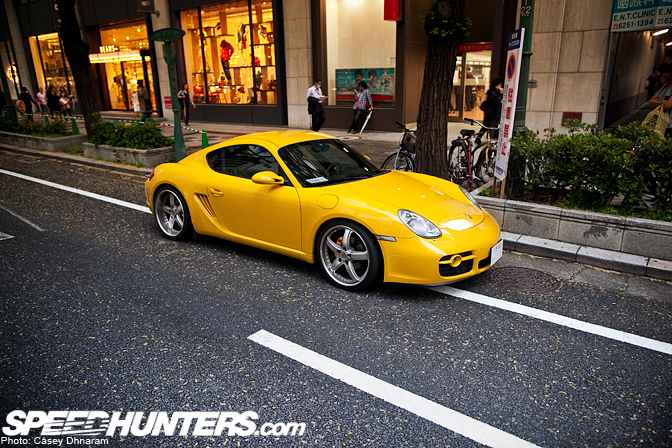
(216, 191)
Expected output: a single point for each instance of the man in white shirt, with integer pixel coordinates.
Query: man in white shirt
(315, 97)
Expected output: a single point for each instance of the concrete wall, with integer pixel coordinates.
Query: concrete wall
(569, 46)
(298, 54)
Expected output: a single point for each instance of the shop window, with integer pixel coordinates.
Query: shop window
(230, 53)
(51, 65)
(9, 68)
(124, 51)
(361, 46)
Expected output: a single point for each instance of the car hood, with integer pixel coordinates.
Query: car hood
(438, 200)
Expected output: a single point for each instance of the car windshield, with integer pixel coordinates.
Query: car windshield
(322, 162)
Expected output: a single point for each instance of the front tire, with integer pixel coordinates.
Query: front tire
(172, 214)
(348, 255)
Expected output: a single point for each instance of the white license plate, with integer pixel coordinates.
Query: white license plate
(496, 252)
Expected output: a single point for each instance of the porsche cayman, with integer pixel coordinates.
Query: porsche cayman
(310, 196)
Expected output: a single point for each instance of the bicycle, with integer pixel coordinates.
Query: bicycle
(471, 168)
(403, 159)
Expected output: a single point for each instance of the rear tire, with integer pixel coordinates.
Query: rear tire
(457, 161)
(172, 214)
(401, 162)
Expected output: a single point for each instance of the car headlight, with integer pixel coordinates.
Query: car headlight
(419, 225)
(470, 197)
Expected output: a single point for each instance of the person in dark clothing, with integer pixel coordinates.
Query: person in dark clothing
(3, 101)
(53, 101)
(315, 108)
(652, 83)
(28, 100)
(492, 106)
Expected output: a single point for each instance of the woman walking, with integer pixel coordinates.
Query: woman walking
(185, 101)
(363, 103)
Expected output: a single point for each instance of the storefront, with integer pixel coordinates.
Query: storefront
(229, 53)
(124, 54)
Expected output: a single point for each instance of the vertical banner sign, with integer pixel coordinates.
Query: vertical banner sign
(391, 10)
(513, 59)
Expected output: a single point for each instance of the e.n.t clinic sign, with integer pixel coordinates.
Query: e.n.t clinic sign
(640, 15)
(510, 96)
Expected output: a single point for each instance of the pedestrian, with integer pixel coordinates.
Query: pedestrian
(315, 107)
(363, 103)
(42, 101)
(65, 102)
(185, 101)
(53, 103)
(652, 83)
(28, 100)
(145, 103)
(3, 101)
(664, 97)
(492, 106)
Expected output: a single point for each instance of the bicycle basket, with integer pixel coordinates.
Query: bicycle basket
(408, 142)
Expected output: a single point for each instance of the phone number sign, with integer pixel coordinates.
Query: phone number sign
(640, 15)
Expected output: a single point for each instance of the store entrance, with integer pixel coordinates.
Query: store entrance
(471, 81)
(123, 79)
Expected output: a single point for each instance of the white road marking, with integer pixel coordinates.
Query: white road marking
(422, 407)
(76, 191)
(621, 336)
(30, 223)
(4, 236)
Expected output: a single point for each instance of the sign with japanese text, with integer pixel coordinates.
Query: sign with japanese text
(513, 59)
(640, 15)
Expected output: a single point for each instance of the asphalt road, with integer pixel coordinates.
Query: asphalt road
(101, 313)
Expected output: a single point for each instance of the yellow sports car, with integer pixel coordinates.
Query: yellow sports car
(309, 196)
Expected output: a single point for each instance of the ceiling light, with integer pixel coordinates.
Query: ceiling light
(658, 33)
(668, 44)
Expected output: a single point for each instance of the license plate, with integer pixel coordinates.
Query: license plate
(496, 252)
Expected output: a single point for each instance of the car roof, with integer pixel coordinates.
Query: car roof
(282, 138)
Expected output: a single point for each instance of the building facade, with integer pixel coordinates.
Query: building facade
(252, 61)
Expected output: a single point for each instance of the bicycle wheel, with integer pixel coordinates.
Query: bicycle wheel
(457, 160)
(400, 161)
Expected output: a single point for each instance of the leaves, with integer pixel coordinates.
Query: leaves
(590, 166)
(134, 135)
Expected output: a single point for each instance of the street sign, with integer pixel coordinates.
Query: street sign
(513, 58)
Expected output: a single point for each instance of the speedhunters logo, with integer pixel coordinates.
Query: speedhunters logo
(86, 427)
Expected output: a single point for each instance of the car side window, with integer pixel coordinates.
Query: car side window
(243, 161)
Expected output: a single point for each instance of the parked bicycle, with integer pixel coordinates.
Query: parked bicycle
(472, 165)
(403, 159)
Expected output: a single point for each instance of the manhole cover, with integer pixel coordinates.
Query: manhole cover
(523, 280)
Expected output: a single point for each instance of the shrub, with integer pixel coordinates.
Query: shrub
(589, 167)
(53, 128)
(135, 135)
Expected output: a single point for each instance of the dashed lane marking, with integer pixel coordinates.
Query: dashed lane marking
(80, 192)
(420, 406)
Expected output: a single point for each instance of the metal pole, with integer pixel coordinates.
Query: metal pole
(526, 21)
(180, 150)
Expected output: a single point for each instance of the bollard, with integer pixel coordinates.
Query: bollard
(204, 140)
(75, 129)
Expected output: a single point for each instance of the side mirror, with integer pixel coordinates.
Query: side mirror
(267, 178)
